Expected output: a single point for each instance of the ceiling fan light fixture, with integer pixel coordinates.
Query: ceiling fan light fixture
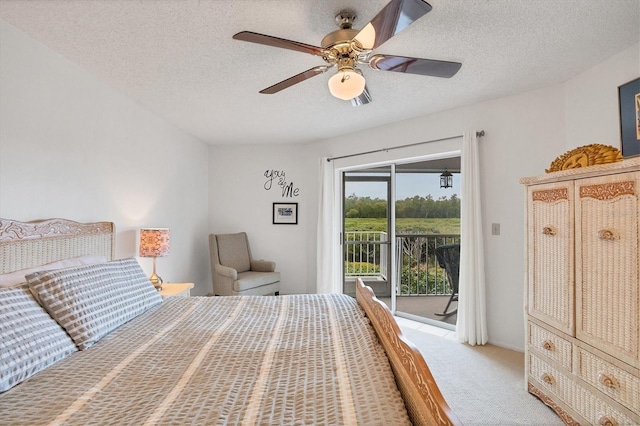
(366, 37)
(347, 48)
(346, 84)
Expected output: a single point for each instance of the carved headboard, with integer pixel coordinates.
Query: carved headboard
(28, 244)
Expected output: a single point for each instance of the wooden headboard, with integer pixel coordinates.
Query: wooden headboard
(422, 397)
(29, 244)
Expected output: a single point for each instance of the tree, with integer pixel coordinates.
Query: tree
(411, 207)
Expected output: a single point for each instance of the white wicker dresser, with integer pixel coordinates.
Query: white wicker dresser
(583, 292)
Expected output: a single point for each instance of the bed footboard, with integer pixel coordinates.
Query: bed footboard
(422, 397)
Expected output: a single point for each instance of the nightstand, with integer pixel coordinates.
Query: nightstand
(176, 289)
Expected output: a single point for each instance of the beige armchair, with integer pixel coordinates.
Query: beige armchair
(235, 272)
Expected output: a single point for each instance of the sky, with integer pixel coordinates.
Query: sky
(407, 185)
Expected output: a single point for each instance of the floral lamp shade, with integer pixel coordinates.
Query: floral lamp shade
(154, 243)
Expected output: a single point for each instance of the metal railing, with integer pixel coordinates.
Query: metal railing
(367, 254)
(418, 272)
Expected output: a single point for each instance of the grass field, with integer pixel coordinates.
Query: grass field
(406, 226)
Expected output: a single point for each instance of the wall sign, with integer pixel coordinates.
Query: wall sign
(277, 179)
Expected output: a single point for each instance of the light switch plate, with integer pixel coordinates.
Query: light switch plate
(495, 229)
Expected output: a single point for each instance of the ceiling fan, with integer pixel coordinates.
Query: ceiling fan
(347, 48)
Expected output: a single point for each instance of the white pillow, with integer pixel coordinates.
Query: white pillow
(15, 278)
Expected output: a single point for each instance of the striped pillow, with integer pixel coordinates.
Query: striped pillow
(91, 301)
(30, 340)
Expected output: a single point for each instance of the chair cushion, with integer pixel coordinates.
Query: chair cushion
(250, 279)
(263, 290)
(233, 251)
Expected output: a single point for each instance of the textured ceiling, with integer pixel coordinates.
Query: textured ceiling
(178, 59)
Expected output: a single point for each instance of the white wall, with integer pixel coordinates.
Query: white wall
(72, 147)
(524, 133)
(240, 202)
(591, 100)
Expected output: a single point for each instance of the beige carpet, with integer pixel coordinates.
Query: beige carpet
(483, 385)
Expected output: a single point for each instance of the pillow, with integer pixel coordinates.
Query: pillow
(15, 278)
(30, 340)
(91, 301)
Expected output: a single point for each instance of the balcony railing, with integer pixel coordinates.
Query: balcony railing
(367, 254)
(418, 272)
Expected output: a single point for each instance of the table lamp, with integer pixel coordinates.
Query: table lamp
(154, 242)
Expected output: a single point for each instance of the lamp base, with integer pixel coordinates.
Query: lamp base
(156, 281)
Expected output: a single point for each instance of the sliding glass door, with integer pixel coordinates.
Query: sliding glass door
(427, 228)
(400, 235)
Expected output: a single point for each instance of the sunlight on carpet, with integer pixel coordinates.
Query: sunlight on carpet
(483, 385)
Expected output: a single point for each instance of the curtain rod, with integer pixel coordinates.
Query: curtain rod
(478, 134)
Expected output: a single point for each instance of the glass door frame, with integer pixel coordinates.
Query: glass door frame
(391, 231)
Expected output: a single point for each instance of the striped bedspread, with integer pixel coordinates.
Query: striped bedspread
(303, 360)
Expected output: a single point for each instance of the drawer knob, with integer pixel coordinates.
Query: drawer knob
(548, 345)
(605, 420)
(548, 379)
(608, 235)
(549, 230)
(608, 381)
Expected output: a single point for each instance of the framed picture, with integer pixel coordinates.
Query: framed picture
(285, 213)
(629, 98)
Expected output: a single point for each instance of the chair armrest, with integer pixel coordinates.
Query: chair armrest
(263, 266)
(225, 271)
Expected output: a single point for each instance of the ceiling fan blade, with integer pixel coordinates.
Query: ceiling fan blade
(295, 79)
(419, 66)
(278, 42)
(363, 99)
(393, 18)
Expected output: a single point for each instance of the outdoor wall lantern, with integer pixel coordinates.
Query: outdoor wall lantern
(446, 180)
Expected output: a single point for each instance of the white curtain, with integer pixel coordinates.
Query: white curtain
(328, 280)
(471, 325)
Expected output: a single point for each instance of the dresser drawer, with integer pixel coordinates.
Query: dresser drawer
(586, 402)
(550, 345)
(595, 409)
(551, 379)
(613, 381)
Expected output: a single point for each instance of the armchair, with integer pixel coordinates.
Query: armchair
(235, 272)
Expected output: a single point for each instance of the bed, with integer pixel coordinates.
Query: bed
(86, 339)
